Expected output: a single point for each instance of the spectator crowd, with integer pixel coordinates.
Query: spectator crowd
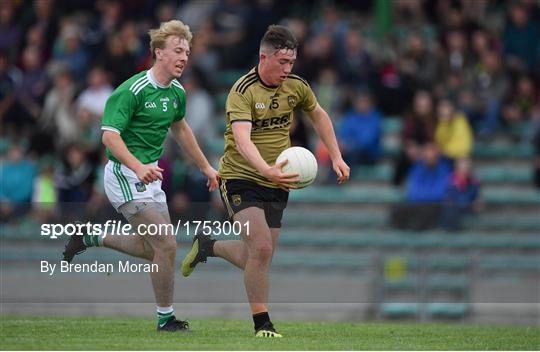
(454, 72)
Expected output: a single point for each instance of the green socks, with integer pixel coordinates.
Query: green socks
(163, 314)
(93, 239)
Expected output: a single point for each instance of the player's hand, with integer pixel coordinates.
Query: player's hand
(285, 180)
(213, 178)
(149, 173)
(342, 170)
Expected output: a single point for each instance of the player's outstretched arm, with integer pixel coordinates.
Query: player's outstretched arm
(118, 148)
(323, 126)
(184, 136)
(246, 147)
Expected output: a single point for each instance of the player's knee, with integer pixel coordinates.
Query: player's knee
(167, 249)
(171, 247)
(262, 253)
(132, 209)
(147, 251)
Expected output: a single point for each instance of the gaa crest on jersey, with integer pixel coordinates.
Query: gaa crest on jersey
(236, 199)
(291, 101)
(140, 187)
(175, 103)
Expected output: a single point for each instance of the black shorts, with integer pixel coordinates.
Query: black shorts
(238, 195)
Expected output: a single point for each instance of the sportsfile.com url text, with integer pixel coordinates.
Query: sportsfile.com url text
(120, 228)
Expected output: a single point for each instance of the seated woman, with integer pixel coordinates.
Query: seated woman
(453, 133)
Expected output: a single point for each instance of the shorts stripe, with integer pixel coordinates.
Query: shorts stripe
(226, 199)
(122, 187)
(126, 183)
(126, 191)
(119, 181)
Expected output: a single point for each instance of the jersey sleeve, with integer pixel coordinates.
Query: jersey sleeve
(238, 107)
(309, 101)
(182, 99)
(119, 109)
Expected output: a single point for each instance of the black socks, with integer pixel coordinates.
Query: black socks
(260, 319)
(209, 248)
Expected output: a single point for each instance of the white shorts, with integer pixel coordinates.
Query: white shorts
(122, 186)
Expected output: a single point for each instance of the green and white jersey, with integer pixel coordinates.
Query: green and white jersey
(142, 111)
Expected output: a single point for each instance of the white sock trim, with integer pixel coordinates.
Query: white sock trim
(164, 310)
(100, 234)
(101, 237)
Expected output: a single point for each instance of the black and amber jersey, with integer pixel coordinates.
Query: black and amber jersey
(270, 111)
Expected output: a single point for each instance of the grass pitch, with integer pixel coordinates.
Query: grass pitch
(74, 333)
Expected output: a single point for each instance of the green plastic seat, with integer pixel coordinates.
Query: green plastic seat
(410, 282)
(398, 310)
(392, 125)
(511, 263)
(447, 263)
(502, 150)
(335, 194)
(447, 283)
(448, 310)
(504, 174)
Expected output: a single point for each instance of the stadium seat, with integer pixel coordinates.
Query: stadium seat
(454, 283)
(448, 310)
(390, 149)
(335, 194)
(447, 263)
(504, 174)
(407, 240)
(486, 174)
(502, 150)
(378, 173)
(392, 125)
(513, 263)
(325, 261)
(399, 310)
(409, 283)
(504, 222)
(388, 195)
(329, 218)
(511, 196)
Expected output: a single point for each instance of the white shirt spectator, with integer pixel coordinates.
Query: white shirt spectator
(94, 99)
(95, 96)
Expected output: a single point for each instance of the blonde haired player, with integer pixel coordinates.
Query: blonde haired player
(137, 117)
(259, 113)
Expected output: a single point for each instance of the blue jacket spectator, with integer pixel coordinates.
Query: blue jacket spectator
(462, 197)
(463, 191)
(360, 132)
(16, 177)
(429, 178)
(69, 49)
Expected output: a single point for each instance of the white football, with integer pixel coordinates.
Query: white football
(301, 161)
